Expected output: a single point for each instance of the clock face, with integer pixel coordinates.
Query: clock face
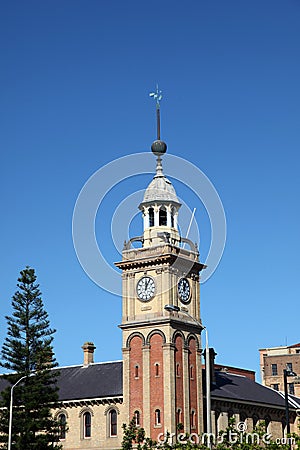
(145, 288)
(184, 290)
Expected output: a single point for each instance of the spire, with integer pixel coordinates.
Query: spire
(158, 147)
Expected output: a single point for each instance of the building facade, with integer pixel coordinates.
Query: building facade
(272, 363)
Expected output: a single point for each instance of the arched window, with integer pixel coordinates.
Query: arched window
(193, 419)
(151, 217)
(163, 216)
(157, 417)
(113, 422)
(178, 416)
(87, 425)
(136, 371)
(137, 417)
(267, 424)
(156, 365)
(191, 372)
(172, 217)
(254, 420)
(62, 420)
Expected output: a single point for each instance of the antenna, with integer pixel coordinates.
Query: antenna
(157, 95)
(190, 224)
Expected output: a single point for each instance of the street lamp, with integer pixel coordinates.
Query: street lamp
(287, 373)
(11, 407)
(173, 308)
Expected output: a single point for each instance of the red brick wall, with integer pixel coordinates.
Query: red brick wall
(136, 383)
(193, 381)
(156, 384)
(179, 378)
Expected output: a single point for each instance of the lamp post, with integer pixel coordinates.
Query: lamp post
(173, 308)
(11, 407)
(287, 373)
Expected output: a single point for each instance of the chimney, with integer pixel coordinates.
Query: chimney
(88, 353)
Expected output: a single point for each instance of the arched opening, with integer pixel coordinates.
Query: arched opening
(157, 417)
(87, 425)
(172, 217)
(113, 422)
(62, 420)
(151, 217)
(156, 365)
(137, 417)
(136, 371)
(163, 216)
(193, 419)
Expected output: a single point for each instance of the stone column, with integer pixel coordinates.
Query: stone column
(169, 387)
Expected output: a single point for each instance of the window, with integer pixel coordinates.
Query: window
(193, 419)
(162, 216)
(255, 420)
(173, 211)
(151, 217)
(178, 416)
(275, 386)
(137, 417)
(157, 418)
(191, 372)
(156, 369)
(289, 367)
(291, 388)
(298, 350)
(274, 369)
(87, 422)
(62, 426)
(113, 422)
(177, 370)
(136, 371)
(267, 424)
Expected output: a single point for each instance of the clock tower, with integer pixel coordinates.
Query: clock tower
(161, 325)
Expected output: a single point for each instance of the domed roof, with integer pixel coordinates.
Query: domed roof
(160, 189)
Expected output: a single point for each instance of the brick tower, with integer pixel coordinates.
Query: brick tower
(161, 323)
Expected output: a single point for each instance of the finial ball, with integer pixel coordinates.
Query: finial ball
(159, 147)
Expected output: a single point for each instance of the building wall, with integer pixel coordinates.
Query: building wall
(100, 426)
(274, 360)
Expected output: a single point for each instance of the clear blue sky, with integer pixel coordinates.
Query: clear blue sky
(75, 78)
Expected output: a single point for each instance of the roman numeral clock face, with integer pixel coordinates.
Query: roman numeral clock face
(184, 290)
(145, 288)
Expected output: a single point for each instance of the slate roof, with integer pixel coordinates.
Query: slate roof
(104, 380)
(241, 388)
(99, 380)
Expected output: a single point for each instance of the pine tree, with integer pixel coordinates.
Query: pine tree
(27, 352)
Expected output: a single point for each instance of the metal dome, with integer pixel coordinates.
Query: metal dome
(160, 189)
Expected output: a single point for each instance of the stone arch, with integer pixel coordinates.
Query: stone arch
(84, 410)
(135, 334)
(109, 408)
(152, 333)
(192, 336)
(61, 411)
(176, 334)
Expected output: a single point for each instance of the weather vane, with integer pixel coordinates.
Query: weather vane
(157, 95)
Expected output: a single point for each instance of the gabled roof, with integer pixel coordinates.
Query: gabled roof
(100, 380)
(241, 388)
(104, 380)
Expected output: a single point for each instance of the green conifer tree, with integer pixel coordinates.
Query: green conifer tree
(27, 352)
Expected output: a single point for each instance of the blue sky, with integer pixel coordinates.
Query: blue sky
(75, 78)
